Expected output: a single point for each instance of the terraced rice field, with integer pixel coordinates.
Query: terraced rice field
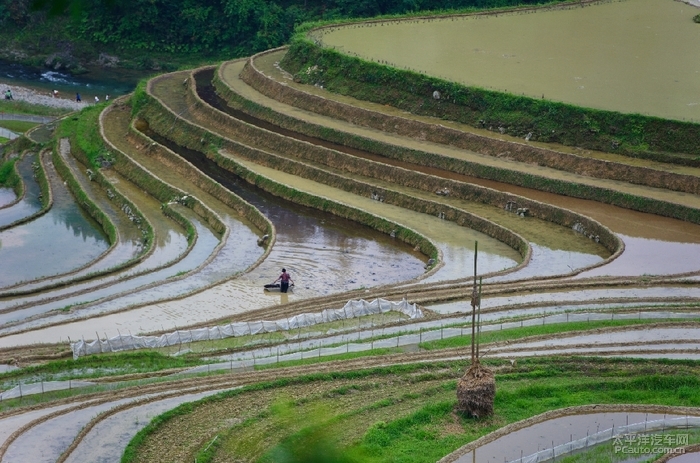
(209, 181)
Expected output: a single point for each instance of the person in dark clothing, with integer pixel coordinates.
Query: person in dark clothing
(284, 280)
(77, 98)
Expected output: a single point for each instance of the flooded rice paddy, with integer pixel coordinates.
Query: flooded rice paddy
(62, 240)
(7, 197)
(629, 56)
(30, 203)
(563, 300)
(105, 442)
(170, 244)
(324, 252)
(547, 435)
(659, 236)
(130, 291)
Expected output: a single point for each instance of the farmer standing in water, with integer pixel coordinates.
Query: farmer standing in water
(284, 280)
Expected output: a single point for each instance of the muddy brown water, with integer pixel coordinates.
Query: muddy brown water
(660, 237)
(323, 251)
(629, 56)
(545, 234)
(62, 240)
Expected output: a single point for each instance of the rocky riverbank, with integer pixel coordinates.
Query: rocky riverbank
(34, 97)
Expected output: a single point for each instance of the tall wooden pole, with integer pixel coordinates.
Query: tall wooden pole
(478, 320)
(474, 296)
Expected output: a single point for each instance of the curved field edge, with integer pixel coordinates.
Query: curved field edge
(413, 179)
(9, 178)
(296, 150)
(569, 382)
(630, 134)
(513, 177)
(46, 196)
(186, 134)
(516, 149)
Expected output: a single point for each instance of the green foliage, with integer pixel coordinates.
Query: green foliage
(218, 27)
(84, 128)
(22, 107)
(17, 126)
(101, 365)
(8, 175)
(139, 98)
(548, 121)
(315, 443)
(696, 18)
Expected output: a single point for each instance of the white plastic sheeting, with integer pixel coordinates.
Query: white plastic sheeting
(352, 309)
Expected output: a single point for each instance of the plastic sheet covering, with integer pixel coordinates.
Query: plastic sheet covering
(352, 309)
(641, 428)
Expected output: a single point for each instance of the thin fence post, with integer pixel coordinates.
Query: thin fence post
(108, 343)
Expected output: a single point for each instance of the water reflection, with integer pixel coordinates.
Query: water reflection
(60, 241)
(7, 196)
(642, 257)
(327, 253)
(30, 203)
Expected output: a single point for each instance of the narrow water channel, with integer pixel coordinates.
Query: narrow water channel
(62, 240)
(559, 250)
(30, 202)
(324, 251)
(7, 197)
(549, 435)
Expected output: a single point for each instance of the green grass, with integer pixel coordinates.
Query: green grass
(419, 425)
(517, 333)
(94, 366)
(17, 126)
(6, 171)
(84, 127)
(22, 107)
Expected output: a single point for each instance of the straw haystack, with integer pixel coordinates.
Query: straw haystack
(476, 391)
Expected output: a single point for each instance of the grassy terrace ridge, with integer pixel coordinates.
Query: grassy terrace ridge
(159, 115)
(274, 84)
(381, 405)
(401, 413)
(22, 107)
(657, 202)
(10, 178)
(630, 134)
(15, 181)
